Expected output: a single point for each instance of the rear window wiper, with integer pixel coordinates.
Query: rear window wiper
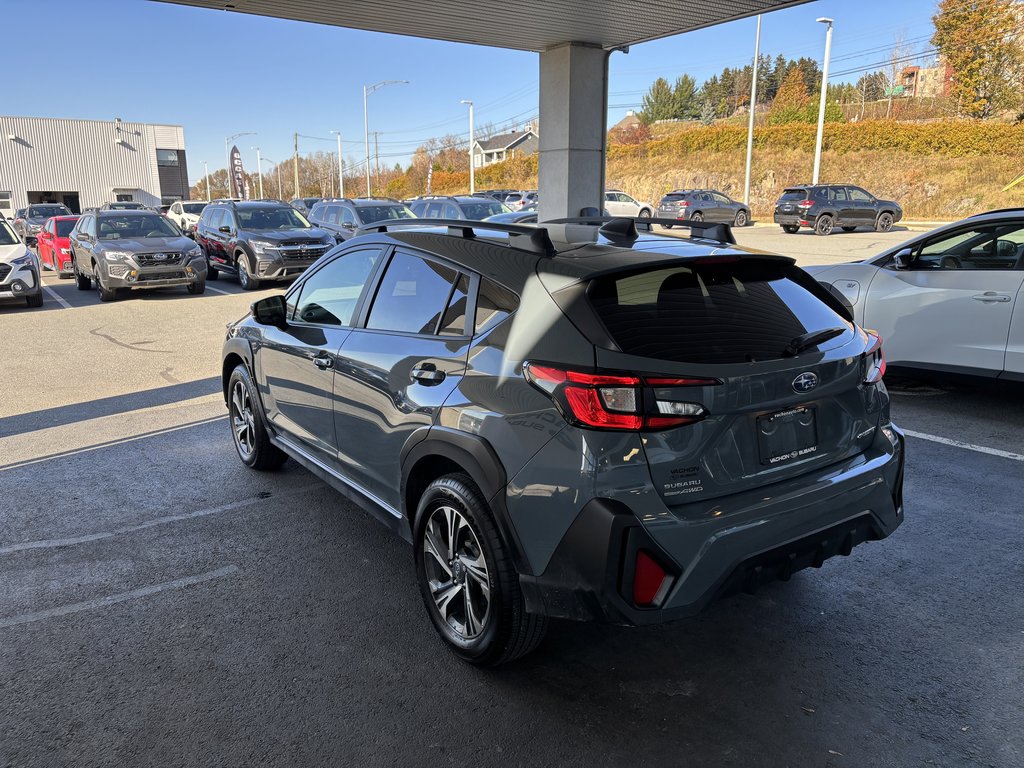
(812, 339)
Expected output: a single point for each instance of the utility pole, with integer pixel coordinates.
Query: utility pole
(753, 108)
(295, 165)
(341, 173)
(472, 170)
(367, 90)
(821, 104)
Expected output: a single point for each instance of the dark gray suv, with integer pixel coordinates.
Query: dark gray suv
(573, 421)
(343, 216)
(824, 207)
(703, 205)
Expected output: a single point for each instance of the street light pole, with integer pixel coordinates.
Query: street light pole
(753, 108)
(259, 170)
(206, 172)
(472, 174)
(367, 90)
(341, 174)
(821, 104)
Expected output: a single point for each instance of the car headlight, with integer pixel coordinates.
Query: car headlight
(194, 253)
(65, 251)
(25, 260)
(262, 247)
(34, 227)
(117, 255)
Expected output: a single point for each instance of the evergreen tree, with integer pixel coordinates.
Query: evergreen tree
(658, 103)
(685, 105)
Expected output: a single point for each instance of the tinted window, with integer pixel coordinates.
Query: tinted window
(451, 212)
(494, 303)
(46, 211)
(411, 296)
(129, 226)
(7, 236)
(478, 211)
(330, 295)
(736, 312)
(837, 193)
(988, 247)
(860, 195)
(64, 227)
(167, 157)
(278, 217)
(720, 197)
(194, 208)
(794, 194)
(372, 213)
(348, 217)
(454, 321)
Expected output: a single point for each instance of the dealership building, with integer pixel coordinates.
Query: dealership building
(85, 163)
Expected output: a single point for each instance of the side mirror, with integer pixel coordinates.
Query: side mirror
(271, 311)
(902, 258)
(225, 229)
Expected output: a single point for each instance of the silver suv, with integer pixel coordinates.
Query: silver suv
(120, 250)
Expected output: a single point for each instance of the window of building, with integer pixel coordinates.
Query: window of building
(167, 158)
(5, 204)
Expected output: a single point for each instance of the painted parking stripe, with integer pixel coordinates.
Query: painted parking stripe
(56, 296)
(218, 290)
(967, 446)
(103, 602)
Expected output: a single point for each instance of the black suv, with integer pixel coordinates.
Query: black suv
(258, 240)
(459, 207)
(823, 207)
(304, 204)
(343, 216)
(28, 224)
(588, 422)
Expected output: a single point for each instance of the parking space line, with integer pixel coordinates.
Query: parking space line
(218, 290)
(103, 602)
(229, 507)
(56, 296)
(967, 446)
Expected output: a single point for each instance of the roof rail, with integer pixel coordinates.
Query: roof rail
(630, 226)
(536, 238)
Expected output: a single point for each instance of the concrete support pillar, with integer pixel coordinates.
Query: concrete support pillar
(573, 127)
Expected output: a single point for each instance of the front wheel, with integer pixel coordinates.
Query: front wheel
(468, 583)
(196, 288)
(741, 219)
(82, 282)
(247, 428)
(824, 225)
(644, 214)
(698, 216)
(245, 278)
(35, 300)
(212, 273)
(884, 223)
(105, 294)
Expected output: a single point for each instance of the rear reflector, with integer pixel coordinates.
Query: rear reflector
(875, 359)
(648, 580)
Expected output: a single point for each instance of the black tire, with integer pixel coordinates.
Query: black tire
(696, 216)
(644, 214)
(197, 287)
(105, 294)
(848, 229)
(82, 282)
(824, 225)
(741, 219)
(884, 222)
(790, 229)
(248, 430)
(506, 631)
(245, 279)
(212, 273)
(36, 300)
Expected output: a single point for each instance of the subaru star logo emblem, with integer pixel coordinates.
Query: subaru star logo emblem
(805, 382)
(160, 256)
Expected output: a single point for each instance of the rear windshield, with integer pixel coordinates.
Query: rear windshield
(194, 208)
(483, 209)
(794, 194)
(733, 312)
(675, 196)
(368, 214)
(46, 211)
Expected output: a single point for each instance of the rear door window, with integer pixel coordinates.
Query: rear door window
(735, 312)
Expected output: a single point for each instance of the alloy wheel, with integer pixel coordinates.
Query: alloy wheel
(457, 572)
(741, 219)
(243, 422)
(885, 222)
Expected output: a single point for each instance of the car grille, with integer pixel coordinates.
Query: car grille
(304, 250)
(152, 260)
(146, 278)
(5, 270)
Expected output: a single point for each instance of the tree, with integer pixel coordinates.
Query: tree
(685, 105)
(978, 40)
(658, 103)
(872, 86)
(791, 104)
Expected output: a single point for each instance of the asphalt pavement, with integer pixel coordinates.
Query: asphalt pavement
(160, 604)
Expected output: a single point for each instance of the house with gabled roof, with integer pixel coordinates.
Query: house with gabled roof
(504, 146)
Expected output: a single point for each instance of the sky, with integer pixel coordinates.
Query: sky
(219, 73)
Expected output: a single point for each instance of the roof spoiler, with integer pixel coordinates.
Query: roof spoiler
(629, 227)
(524, 237)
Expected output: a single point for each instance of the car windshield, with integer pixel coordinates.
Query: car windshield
(478, 211)
(46, 211)
(7, 236)
(794, 194)
(193, 208)
(64, 226)
(282, 217)
(373, 213)
(128, 227)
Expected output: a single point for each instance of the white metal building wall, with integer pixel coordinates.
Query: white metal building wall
(91, 157)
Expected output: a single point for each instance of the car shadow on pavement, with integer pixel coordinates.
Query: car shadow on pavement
(107, 406)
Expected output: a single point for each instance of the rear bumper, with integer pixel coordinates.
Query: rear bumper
(589, 577)
(790, 219)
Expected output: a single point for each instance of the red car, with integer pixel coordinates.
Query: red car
(52, 244)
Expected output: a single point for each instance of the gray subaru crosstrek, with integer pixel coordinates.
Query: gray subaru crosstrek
(120, 250)
(573, 420)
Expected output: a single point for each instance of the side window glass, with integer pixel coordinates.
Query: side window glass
(348, 217)
(330, 295)
(454, 321)
(451, 212)
(998, 247)
(859, 195)
(705, 196)
(91, 231)
(719, 198)
(411, 296)
(493, 305)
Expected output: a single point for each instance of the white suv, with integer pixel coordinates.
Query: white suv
(186, 213)
(620, 204)
(19, 268)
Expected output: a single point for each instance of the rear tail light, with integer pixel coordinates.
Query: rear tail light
(805, 204)
(874, 359)
(650, 581)
(683, 203)
(616, 401)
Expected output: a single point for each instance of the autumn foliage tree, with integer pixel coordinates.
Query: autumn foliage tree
(979, 40)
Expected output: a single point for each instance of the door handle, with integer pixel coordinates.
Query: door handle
(991, 296)
(323, 362)
(428, 374)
